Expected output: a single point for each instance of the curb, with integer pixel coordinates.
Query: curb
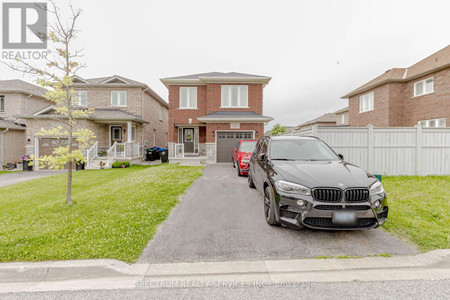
(113, 274)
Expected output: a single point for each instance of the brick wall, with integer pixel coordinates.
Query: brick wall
(160, 127)
(377, 117)
(19, 103)
(395, 104)
(430, 106)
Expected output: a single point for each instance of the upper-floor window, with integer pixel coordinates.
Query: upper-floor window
(160, 112)
(80, 98)
(366, 102)
(2, 103)
(343, 119)
(433, 123)
(424, 87)
(234, 96)
(118, 98)
(188, 97)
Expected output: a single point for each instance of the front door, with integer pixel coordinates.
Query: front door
(116, 134)
(188, 140)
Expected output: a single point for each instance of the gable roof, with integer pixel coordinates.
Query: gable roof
(433, 63)
(20, 86)
(116, 81)
(326, 118)
(203, 78)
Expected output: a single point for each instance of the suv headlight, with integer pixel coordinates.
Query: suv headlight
(289, 187)
(376, 189)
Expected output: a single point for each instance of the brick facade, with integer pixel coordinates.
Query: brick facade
(396, 106)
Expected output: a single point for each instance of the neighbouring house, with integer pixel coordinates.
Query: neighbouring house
(328, 119)
(210, 112)
(342, 117)
(16, 97)
(419, 94)
(128, 117)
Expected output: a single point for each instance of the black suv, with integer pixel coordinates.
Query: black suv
(305, 183)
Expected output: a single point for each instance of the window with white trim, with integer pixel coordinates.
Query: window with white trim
(424, 87)
(188, 97)
(433, 123)
(366, 102)
(234, 96)
(2, 103)
(118, 98)
(80, 98)
(343, 119)
(160, 112)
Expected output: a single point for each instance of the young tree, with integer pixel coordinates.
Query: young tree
(277, 129)
(61, 65)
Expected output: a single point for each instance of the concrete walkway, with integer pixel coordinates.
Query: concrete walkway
(7, 179)
(112, 274)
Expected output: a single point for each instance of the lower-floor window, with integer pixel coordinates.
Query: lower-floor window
(433, 123)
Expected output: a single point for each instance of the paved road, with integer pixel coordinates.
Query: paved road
(16, 177)
(221, 219)
(435, 289)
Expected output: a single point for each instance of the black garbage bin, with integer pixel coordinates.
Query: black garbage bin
(26, 167)
(156, 153)
(150, 156)
(164, 154)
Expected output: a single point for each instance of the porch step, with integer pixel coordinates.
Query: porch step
(188, 161)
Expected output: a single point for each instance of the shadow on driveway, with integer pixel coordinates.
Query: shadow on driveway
(221, 219)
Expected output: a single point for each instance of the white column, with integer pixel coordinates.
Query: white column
(129, 132)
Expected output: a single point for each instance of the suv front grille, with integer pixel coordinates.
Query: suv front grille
(328, 223)
(349, 207)
(356, 195)
(327, 195)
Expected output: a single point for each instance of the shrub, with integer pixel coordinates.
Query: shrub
(119, 164)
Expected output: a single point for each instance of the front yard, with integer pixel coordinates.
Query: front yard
(116, 213)
(419, 209)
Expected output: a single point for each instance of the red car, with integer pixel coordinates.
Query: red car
(241, 155)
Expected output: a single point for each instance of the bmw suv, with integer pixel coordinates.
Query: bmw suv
(306, 184)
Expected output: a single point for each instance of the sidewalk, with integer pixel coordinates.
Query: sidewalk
(113, 274)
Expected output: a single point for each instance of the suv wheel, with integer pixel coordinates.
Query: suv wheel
(269, 207)
(239, 170)
(250, 180)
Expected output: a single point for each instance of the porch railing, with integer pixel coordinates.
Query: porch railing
(122, 150)
(179, 150)
(91, 154)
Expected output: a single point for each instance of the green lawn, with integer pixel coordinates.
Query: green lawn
(115, 213)
(6, 172)
(419, 209)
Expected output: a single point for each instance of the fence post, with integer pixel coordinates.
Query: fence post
(418, 149)
(315, 130)
(370, 142)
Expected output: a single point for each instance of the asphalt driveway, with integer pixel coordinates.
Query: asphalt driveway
(221, 219)
(16, 177)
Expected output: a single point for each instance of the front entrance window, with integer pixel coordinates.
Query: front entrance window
(116, 133)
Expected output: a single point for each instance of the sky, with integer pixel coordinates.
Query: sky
(315, 51)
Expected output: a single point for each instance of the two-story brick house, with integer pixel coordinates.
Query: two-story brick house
(419, 94)
(209, 112)
(128, 117)
(16, 97)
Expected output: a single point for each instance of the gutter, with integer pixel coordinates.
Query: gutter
(1, 147)
(142, 127)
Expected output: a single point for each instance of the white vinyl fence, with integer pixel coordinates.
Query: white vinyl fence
(390, 150)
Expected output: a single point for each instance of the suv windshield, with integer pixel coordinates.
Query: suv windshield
(247, 146)
(301, 150)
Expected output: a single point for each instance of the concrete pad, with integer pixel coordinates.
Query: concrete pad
(57, 274)
(22, 274)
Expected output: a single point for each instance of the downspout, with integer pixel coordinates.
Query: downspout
(26, 102)
(3, 137)
(142, 126)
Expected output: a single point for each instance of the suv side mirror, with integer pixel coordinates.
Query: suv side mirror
(341, 156)
(262, 156)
